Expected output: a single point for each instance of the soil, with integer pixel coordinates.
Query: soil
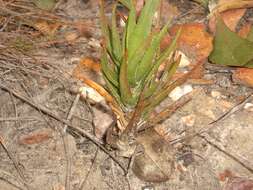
(40, 152)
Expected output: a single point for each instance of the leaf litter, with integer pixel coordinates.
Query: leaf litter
(56, 66)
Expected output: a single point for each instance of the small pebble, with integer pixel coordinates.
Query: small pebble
(249, 107)
(91, 94)
(184, 62)
(94, 43)
(178, 92)
(148, 188)
(215, 94)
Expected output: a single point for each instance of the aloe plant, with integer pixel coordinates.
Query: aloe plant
(131, 60)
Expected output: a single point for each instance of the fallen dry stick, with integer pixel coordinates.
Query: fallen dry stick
(56, 117)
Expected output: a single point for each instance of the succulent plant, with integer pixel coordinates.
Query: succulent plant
(131, 63)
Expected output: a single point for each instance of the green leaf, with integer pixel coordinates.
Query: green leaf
(148, 60)
(110, 74)
(143, 26)
(131, 24)
(105, 27)
(230, 49)
(165, 54)
(250, 35)
(125, 90)
(135, 59)
(113, 91)
(115, 37)
(170, 70)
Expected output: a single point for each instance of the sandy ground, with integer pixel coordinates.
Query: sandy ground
(37, 153)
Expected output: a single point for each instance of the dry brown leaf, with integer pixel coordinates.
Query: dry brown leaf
(46, 28)
(88, 68)
(80, 73)
(230, 18)
(243, 76)
(194, 41)
(35, 138)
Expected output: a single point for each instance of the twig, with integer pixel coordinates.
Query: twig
(233, 109)
(213, 124)
(89, 171)
(20, 173)
(18, 119)
(229, 154)
(66, 143)
(10, 179)
(56, 117)
(167, 112)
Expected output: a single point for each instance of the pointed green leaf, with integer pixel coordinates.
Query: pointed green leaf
(113, 91)
(125, 90)
(143, 27)
(115, 37)
(105, 27)
(135, 60)
(131, 24)
(165, 54)
(148, 60)
(110, 74)
(170, 70)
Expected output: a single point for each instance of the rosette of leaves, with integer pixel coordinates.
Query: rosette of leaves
(131, 61)
(138, 76)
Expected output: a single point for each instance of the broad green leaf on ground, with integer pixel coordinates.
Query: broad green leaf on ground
(230, 49)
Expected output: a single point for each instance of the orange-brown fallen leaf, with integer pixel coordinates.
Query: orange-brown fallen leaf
(88, 68)
(243, 76)
(230, 18)
(35, 138)
(90, 64)
(194, 41)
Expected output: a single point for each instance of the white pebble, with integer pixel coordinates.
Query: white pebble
(184, 62)
(215, 94)
(91, 94)
(248, 106)
(178, 92)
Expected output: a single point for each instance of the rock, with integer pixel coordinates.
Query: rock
(243, 76)
(184, 62)
(215, 94)
(178, 92)
(249, 107)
